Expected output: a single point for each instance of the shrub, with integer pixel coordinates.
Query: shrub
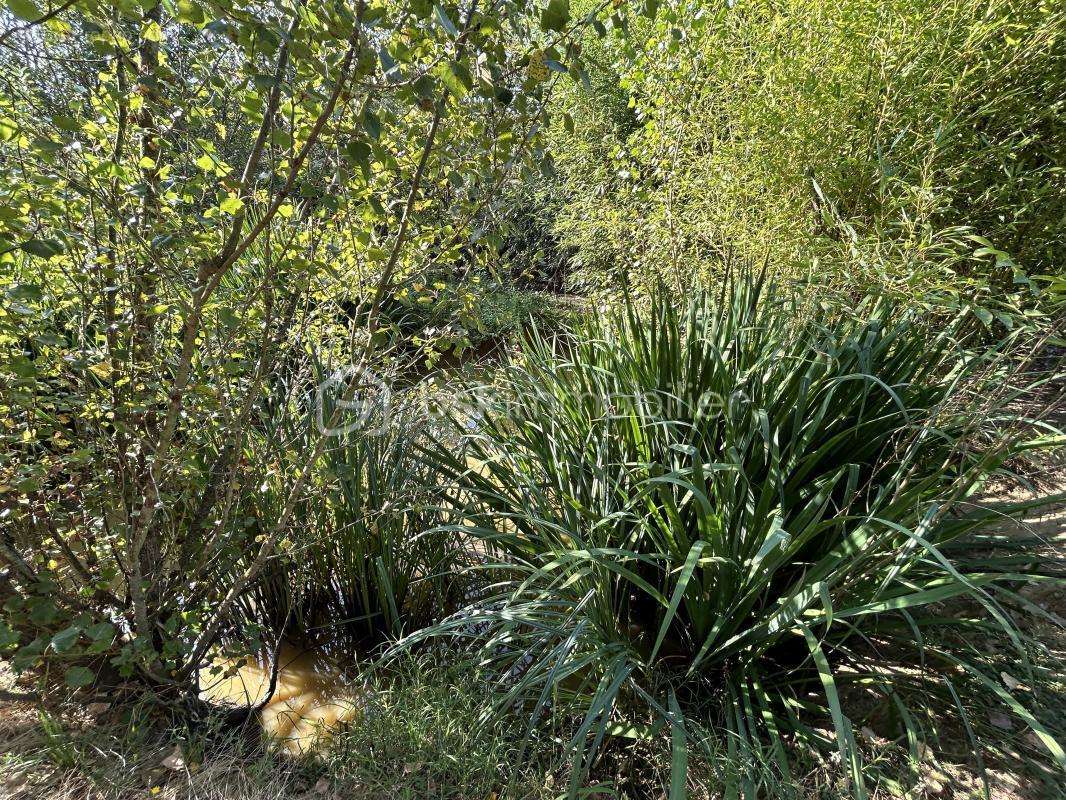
(904, 143)
(160, 278)
(707, 514)
(437, 315)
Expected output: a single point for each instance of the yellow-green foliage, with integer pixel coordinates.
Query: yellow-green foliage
(891, 140)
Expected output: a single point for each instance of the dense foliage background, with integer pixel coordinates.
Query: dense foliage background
(913, 145)
(643, 357)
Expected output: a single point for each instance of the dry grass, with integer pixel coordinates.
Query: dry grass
(61, 748)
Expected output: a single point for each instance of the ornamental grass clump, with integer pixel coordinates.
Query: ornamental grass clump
(737, 513)
(371, 561)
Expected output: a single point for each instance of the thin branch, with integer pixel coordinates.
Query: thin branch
(266, 549)
(34, 23)
(210, 274)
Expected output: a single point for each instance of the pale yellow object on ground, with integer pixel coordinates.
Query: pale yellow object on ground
(311, 699)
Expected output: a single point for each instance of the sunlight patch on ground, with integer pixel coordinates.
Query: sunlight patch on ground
(310, 702)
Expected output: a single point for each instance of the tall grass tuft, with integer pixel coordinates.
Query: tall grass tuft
(384, 567)
(735, 513)
(370, 561)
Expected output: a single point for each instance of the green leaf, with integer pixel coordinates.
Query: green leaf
(77, 677)
(447, 75)
(42, 248)
(678, 596)
(358, 151)
(678, 751)
(66, 123)
(100, 631)
(47, 145)
(189, 12)
(281, 138)
(444, 22)
(152, 32)
(42, 611)
(26, 10)
(25, 291)
(66, 639)
(841, 724)
(264, 82)
(372, 124)
(232, 204)
(984, 315)
(8, 636)
(389, 67)
(556, 15)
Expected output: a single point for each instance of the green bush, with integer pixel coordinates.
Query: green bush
(436, 315)
(715, 515)
(902, 143)
(161, 279)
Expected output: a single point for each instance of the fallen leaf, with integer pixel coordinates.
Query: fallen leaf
(1010, 681)
(175, 761)
(934, 788)
(925, 753)
(1001, 721)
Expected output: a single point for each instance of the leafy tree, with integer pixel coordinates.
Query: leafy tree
(191, 191)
